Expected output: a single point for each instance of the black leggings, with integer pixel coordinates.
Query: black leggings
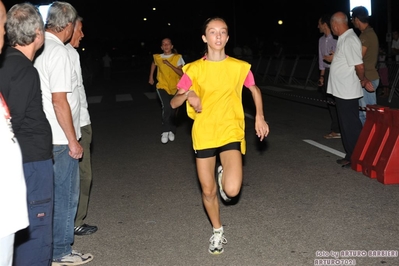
(168, 113)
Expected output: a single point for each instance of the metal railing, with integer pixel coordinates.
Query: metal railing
(302, 71)
(393, 78)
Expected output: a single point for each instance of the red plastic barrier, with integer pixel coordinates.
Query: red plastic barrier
(373, 113)
(382, 131)
(387, 167)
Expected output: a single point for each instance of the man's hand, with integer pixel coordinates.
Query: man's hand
(75, 150)
(367, 85)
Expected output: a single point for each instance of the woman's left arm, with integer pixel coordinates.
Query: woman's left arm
(261, 127)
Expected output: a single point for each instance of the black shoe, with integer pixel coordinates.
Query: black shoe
(343, 162)
(85, 229)
(348, 165)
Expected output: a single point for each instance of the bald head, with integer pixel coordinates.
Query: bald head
(3, 18)
(339, 23)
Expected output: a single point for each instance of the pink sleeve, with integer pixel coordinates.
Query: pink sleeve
(184, 83)
(249, 80)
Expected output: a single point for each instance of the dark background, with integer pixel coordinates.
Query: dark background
(118, 26)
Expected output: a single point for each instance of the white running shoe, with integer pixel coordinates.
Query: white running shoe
(216, 243)
(75, 258)
(164, 137)
(171, 136)
(220, 175)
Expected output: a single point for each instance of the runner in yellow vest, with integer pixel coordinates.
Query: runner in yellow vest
(212, 88)
(169, 65)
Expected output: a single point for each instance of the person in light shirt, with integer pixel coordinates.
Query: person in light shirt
(346, 82)
(327, 45)
(13, 204)
(61, 103)
(85, 172)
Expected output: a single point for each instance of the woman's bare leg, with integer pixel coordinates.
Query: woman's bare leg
(232, 172)
(206, 175)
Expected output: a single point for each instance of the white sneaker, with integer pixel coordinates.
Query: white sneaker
(216, 243)
(220, 175)
(171, 136)
(164, 137)
(75, 258)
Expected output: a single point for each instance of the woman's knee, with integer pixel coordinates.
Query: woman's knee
(209, 193)
(232, 185)
(232, 190)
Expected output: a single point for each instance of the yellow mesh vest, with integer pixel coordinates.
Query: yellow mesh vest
(219, 85)
(167, 78)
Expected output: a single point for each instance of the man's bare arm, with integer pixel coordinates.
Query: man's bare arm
(64, 117)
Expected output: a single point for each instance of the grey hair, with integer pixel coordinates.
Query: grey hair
(78, 18)
(24, 22)
(60, 14)
(340, 18)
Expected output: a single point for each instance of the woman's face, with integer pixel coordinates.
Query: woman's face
(166, 46)
(216, 34)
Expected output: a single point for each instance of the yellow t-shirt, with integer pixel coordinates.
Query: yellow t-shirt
(167, 78)
(219, 86)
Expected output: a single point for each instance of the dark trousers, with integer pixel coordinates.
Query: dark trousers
(85, 175)
(350, 124)
(33, 245)
(168, 113)
(330, 104)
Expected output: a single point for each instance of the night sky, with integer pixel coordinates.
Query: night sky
(253, 23)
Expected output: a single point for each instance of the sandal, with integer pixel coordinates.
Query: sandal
(332, 135)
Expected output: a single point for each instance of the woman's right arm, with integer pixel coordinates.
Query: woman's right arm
(179, 98)
(152, 70)
(182, 93)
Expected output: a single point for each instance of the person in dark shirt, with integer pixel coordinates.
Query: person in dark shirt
(370, 46)
(20, 86)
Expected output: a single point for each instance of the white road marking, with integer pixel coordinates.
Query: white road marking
(249, 116)
(123, 97)
(151, 95)
(323, 147)
(94, 99)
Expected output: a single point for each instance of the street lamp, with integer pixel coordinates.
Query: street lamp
(365, 3)
(43, 10)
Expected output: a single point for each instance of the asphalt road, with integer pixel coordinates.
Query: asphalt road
(297, 205)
